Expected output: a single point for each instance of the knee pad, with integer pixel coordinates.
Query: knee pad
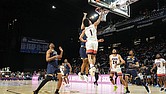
(111, 78)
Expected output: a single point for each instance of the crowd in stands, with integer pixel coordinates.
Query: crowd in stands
(4, 75)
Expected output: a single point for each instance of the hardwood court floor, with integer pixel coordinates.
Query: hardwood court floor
(26, 87)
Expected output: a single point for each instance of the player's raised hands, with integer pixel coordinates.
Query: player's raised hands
(60, 48)
(85, 14)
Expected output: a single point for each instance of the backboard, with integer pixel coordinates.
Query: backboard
(119, 7)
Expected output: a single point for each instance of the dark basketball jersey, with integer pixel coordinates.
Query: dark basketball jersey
(52, 66)
(54, 62)
(130, 61)
(66, 66)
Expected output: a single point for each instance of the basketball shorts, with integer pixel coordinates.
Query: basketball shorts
(52, 69)
(117, 70)
(66, 72)
(131, 72)
(91, 47)
(83, 52)
(161, 72)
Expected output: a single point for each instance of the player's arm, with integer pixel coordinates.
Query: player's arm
(121, 60)
(69, 67)
(62, 64)
(154, 66)
(136, 65)
(110, 62)
(61, 53)
(98, 20)
(81, 36)
(82, 25)
(48, 58)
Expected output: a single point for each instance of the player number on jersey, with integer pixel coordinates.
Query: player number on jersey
(114, 62)
(91, 32)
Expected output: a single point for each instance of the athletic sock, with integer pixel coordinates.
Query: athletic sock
(48, 78)
(57, 91)
(127, 89)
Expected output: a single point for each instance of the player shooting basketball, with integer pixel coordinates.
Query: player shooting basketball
(91, 41)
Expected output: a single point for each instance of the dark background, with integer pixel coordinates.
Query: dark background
(37, 19)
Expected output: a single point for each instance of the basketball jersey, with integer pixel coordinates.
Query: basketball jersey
(130, 62)
(115, 60)
(66, 66)
(54, 62)
(91, 33)
(160, 66)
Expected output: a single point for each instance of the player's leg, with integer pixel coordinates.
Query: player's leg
(94, 58)
(96, 78)
(86, 70)
(112, 80)
(50, 71)
(67, 78)
(64, 79)
(59, 83)
(84, 60)
(127, 76)
(83, 66)
(161, 82)
(133, 72)
(111, 77)
(82, 69)
(119, 74)
(95, 48)
(92, 68)
(48, 78)
(116, 76)
(165, 82)
(86, 67)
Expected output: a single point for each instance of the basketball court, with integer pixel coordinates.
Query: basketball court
(119, 7)
(27, 87)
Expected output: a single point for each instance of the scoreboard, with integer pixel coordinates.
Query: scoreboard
(30, 45)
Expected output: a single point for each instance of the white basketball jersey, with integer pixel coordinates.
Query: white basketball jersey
(91, 33)
(115, 60)
(160, 65)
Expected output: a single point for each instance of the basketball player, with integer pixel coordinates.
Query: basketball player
(115, 62)
(52, 68)
(160, 63)
(85, 64)
(91, 42)
(131, 70)
(68, 69)
(96, 74)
